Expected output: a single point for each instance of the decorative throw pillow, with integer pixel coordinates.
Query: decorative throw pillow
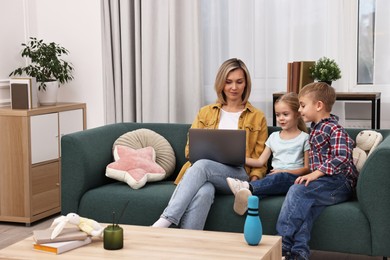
(135, 167)
(165, 156)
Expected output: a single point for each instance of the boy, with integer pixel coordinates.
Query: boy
(333, 175)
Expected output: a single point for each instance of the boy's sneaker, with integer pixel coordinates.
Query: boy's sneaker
(235, 185)
(241, 201)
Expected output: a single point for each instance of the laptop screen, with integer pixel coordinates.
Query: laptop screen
(220, 145)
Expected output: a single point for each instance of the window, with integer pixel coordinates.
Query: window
(366, 42)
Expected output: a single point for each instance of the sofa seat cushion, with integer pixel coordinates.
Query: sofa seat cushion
(222, 217)
(343, 228)
(152, 199)
(145, 205)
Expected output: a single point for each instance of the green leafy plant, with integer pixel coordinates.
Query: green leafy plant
(46, 63)
(325, 69)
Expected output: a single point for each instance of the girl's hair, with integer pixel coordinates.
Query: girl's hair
(223, 72)
(291, 99)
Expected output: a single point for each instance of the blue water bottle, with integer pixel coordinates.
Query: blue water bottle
(253, 229)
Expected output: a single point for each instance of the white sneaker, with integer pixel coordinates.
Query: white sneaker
(235, 185)
(241, 201)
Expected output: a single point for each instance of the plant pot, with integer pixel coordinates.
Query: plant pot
(48, 97)
(327, 82)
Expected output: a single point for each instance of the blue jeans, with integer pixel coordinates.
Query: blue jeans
(191, 201)
(303, 205)
(273, 184)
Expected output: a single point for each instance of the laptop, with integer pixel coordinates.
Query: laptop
(221, 145)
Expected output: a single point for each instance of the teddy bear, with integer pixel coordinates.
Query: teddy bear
(366, 142)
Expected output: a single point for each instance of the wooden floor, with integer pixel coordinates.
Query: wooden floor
(11, 233)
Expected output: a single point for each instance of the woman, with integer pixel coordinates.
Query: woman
(192, 199)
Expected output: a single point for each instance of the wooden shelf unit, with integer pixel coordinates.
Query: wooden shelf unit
(30, 161)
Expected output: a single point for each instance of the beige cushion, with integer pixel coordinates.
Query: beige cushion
(143, 137)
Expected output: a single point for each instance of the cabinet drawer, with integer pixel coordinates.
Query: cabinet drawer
(45, 187)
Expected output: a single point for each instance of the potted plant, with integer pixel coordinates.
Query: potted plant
(47, 66)
(325, 70)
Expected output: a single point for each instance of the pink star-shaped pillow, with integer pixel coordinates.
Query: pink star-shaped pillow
(135, 167)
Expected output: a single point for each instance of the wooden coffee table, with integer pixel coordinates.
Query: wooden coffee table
(142, 242)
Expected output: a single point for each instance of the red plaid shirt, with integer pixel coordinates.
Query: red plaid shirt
(331, 149)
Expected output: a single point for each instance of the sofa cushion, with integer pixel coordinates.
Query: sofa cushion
(222, 217)
(143, 137)
(135, 167)
(342, 227)
(144, 208)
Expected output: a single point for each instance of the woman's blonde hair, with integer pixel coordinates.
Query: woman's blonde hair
(223, 72)
(291, 99)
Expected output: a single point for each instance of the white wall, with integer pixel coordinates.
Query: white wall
(76, 25)
(12, 34)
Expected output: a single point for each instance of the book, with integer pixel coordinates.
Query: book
(289, 76)
(67, 234)
(298, 75)
(305, 76)
(296, 70)
(61, 247)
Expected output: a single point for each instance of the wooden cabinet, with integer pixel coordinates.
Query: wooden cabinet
(30, 159)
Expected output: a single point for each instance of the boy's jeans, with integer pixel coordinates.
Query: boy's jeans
(191, 201)
(273, 184)
(303, 205)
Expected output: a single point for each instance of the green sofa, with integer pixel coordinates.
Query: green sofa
(359, 226)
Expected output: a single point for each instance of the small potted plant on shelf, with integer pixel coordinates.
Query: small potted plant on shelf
(325, 70)
(47, 66)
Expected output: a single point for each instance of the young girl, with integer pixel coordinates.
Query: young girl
(290, 150)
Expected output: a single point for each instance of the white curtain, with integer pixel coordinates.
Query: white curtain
(382, 40)
(157, 51)
(152, 60)
(268, 34)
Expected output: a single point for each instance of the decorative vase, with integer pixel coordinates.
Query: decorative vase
(113, 237)
(253, 229)
(48, 97)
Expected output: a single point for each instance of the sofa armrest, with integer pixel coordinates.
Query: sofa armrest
(84, 157)
(373, 192)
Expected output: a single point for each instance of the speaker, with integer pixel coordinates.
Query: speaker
(23, 93)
